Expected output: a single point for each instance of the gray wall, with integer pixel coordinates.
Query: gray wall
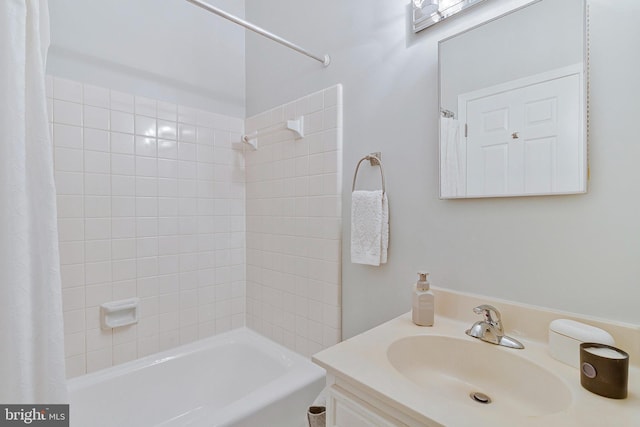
(168, 50)
(576, 253)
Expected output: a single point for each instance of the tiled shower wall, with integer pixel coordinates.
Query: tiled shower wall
(294, 224)
(151, 203)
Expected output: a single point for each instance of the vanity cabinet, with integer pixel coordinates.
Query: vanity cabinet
(346, 410)
(350, 406)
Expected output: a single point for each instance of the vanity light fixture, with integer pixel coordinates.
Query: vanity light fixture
(425, 13)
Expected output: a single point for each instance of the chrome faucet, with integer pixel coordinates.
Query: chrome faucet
(490, 329)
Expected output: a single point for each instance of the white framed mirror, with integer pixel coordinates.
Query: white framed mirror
(512, 94)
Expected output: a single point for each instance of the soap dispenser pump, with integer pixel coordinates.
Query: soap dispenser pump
(423, 301)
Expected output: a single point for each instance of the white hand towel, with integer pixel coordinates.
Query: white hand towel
(451, 158)
(385, 229)
(369, 227)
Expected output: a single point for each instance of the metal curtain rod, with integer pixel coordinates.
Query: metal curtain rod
(249, 26)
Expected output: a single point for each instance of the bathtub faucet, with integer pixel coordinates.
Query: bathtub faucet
(490, 329)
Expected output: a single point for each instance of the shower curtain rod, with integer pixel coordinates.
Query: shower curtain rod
(249, 26)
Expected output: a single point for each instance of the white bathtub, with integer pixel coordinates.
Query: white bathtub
(238, 379)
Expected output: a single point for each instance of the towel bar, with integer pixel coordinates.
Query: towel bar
(374, 158)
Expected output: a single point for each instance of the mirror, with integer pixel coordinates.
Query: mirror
(513, 104)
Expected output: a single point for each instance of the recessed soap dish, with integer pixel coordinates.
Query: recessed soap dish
(115, 314)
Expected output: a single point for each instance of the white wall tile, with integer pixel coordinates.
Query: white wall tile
(167, 129)
(205, 136)
(121, 122)
(147, 247)
(92, 317)
(124, 269)
(71, 206)
(146, 166)
(67, 136)
(67, 90)
(73, 298)
(146, 206)
(97, 184)
(95, 117)
(97, 206)
(70, 229)
(122, 228)
(167, 187)
(68, 113)
(99, 359)
(76, 365)
(122, 143)
(68, 160)
(146, 187)
(73, 274)
(96, 140)
(97, 162)
(97, 228)
(125, 334)
(124, 352)
(167, 168)
(98, 273)
(147, 267)
(145, 217)
(123, 185)
(74, 344)
(122, 249)
(123, 164)
(97, 250)
(146, 227)
(71, 253)
(187, 169)
(145, 126)
(124, 289)
(187, 151)
(123, 206)
(168, 226)
(186, 133)
(167, 149)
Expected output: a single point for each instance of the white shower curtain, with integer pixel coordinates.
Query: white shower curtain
(31, 329)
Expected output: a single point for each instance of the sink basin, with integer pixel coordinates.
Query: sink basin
(454, 368)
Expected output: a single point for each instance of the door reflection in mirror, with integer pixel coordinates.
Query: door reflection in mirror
(516, 86)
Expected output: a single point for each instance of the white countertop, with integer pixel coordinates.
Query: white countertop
(362, 361)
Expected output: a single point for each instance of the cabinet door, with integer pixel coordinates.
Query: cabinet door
(346, 410)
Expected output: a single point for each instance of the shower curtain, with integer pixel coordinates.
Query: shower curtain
(31, 329)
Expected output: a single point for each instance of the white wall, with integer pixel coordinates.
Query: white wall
(577, 253)
(169, 50)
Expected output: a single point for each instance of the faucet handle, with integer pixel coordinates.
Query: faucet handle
(485, 310)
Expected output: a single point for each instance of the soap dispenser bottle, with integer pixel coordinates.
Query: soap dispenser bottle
(423, 307)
